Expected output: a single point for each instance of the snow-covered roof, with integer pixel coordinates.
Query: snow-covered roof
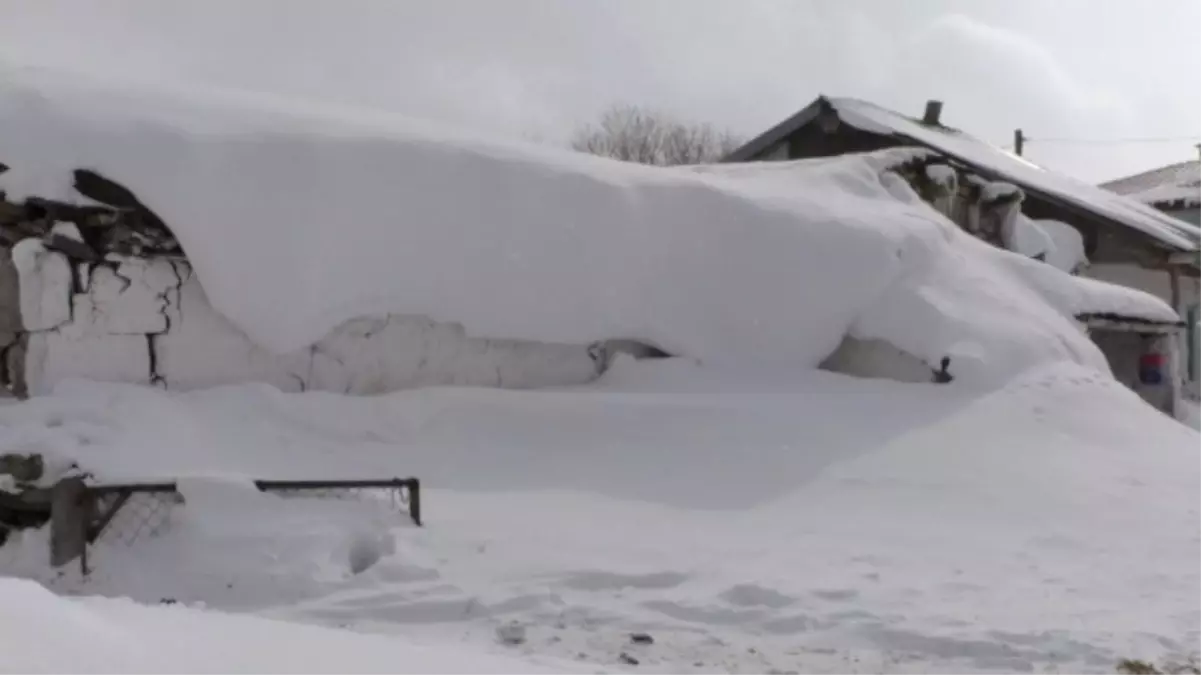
(1176, 185)
(994, 162)
(297, 219)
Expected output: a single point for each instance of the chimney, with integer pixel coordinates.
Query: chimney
(933, 111)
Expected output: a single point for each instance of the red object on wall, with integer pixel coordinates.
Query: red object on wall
(1151, 367)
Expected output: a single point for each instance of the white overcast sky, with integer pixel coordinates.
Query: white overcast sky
(1080, 69)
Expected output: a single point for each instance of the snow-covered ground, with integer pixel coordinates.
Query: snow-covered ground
(41, 633)
(747, 511)
(821, 524)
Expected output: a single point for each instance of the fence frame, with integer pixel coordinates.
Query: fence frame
(78, 516)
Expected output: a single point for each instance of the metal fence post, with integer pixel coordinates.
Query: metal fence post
(415, 501)
(71, 506)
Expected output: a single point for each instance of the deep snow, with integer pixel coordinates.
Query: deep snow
(363, 216)
(821, 524)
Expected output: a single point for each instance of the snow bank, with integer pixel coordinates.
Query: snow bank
(958, 296)
(364, 216)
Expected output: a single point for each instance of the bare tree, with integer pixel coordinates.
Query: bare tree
(633, 134)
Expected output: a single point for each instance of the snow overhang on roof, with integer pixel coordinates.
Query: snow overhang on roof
(1170, 233)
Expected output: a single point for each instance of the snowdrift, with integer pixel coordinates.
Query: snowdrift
(299, 218)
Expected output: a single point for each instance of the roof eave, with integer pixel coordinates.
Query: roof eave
(1175, 245)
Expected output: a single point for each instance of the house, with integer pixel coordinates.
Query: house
(1174, 189)
(991, 191)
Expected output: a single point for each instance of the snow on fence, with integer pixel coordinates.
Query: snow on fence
(82, 515)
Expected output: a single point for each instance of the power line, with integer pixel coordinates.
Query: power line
(1115, 141)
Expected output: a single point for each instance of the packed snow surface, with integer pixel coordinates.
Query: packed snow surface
(365, 215)
(820, 524)
(41, 633)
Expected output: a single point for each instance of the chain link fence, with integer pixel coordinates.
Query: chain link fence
(135, 515)
(82, 515)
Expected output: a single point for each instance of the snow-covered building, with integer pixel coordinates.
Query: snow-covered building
(1174, 189)
(190, 238)
(1005, 199)
(98, 287)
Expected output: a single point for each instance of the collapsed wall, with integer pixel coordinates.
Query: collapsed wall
(147, 321)
(103, 291)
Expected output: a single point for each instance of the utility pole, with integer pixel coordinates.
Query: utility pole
(1019, 140)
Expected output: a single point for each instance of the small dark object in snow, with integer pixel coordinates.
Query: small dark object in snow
(627, 659)
(942, 375)
(642, 639)
(511, 633)
(167, 601)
